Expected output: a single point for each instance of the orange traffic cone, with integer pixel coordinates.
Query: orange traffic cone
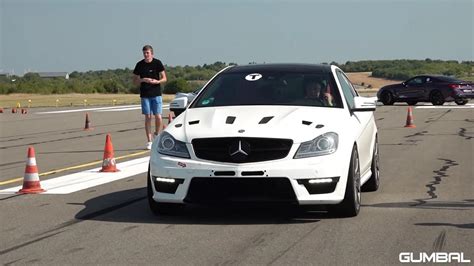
(24, 111)
(108, 163)
(1, 110)
(410, 122)
(88, 123)
(13, 110)
(31, 181)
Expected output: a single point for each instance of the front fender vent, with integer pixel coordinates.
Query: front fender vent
(265, 120)
(230, 120)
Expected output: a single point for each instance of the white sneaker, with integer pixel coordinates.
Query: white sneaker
(148, 145)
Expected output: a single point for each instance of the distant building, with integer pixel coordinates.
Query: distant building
(53, 75)
(4, 74)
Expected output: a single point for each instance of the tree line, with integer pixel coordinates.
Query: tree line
(190, 78)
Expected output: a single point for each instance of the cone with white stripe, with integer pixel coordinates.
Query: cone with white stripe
(31, 181)
(108, 163)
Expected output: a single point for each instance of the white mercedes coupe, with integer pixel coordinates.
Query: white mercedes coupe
(273, 133)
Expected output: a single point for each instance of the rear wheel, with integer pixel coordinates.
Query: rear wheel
(387, 98)
(412, 102)
(159, 208)
(461, 101)
(437, 98)
(350, 206)
(374, 182)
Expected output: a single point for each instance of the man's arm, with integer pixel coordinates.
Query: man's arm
(162, 77)
(137, 80)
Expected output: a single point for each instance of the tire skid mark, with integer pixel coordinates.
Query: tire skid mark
(5, 251)
(462, 133)
(89, 216)
(58, 132)
(12, 163)
(439, 242)
(12, 262)
(418, 134)
(70, 138)
(434, 119)
(441, 173)
(293, 244)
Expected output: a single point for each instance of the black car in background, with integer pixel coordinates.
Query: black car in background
(427, 88)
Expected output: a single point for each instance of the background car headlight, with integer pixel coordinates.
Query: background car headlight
(322, 145)
(170, 146)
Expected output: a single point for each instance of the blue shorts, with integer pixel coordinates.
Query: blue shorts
(152, 105)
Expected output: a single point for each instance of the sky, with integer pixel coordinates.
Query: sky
(83, 35)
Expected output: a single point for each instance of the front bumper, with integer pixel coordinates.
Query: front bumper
(187, 178)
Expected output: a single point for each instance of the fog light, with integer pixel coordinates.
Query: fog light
(320, 181)
(319, 185)
(166, 180)
(166, 185)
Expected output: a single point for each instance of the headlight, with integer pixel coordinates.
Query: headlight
(170, 146)
(322, 145)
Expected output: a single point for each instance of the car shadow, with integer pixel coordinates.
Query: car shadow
(131, 206)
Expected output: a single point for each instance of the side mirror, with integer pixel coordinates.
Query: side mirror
(364, 104)
(404, 84)
(179, 105)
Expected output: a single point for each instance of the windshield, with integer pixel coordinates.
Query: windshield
(271, 88)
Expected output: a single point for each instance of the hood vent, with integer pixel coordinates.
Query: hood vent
(230, 120)
(194, 122)
(319, 126)
(306, 122)
(265, 120)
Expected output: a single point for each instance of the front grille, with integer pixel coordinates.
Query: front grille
(213, 190)
(241, 150)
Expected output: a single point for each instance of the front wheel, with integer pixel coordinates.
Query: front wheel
(437, 98)
(160, 208)
(461, 101)
(387, 98)
(350, 206)
(374, 181)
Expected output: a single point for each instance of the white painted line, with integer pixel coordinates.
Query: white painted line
(101, 109)
(86, 109)
(446, 107)
(89, 178)
(165, 107)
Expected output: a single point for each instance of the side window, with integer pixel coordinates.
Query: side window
(415, 81)
(347, 89)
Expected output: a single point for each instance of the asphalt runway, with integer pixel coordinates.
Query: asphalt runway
(425, 203)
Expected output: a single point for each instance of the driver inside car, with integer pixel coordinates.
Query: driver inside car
(314, 93)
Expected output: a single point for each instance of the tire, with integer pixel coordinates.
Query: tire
(461, 101)
(374, 181)
(350, 206)
(387, 98)
(161, 208)
(412, 102)
(437, 98)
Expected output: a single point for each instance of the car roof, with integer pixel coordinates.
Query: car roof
(280, 67)
(439, 77)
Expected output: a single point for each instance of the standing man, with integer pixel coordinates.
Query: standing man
(149, 73)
